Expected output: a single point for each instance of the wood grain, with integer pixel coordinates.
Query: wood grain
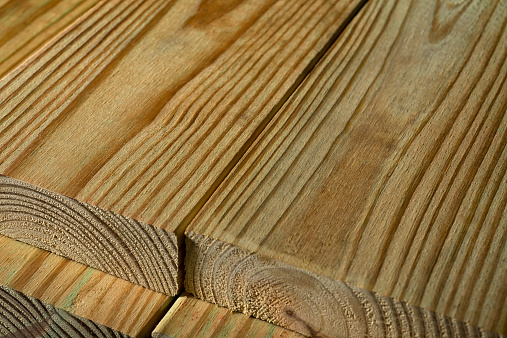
(23, 316)
(302, 301)
(141, 108)
(387, 168)
(26, 25)
(76, 290)
(191, 317)
(117, 245)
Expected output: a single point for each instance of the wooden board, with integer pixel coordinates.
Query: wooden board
(142, 108)
(299, 300)
(72, 290)
(191, 317)
(23, 316)
(26, 25)
(387, 168)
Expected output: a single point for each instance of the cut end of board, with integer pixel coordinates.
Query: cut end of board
(192, 317)
(25, 316)
(304, 302)
(125, 248)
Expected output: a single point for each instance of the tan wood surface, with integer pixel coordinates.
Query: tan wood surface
(386, 169)
(302, 301)
(23, 316)
(191, 317)
(69, 289)
(26, 25)
(142, 108)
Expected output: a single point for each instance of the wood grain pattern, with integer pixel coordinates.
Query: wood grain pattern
(23, 316)
(26, 25)
(117, 245)
(302, 301)
(79, 290)
(191, 317)
(143, 107)
(387, 168)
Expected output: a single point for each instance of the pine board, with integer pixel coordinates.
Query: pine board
(23, 316)
(26, 25)
(191, 317)
(141, 108)
(304, 302)
(66, 288)
(386, 169)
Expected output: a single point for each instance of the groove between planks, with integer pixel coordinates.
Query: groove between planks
(141, 108)
(69, 289)
(387, 167)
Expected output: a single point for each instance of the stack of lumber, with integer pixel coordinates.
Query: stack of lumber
(321, 168)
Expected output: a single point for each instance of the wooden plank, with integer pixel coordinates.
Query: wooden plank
(302, 301)
(142, 108)
(386, 169)
(191, 317)
(72, 290)
(26, 25)
(23, 316)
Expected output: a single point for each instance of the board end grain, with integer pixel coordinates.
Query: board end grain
(304, 302)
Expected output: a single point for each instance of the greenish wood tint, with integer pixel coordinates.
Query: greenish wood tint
(60, 289)
(191, 317)
(24, 316)
(26, 25)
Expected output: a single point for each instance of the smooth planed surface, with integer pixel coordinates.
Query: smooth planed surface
(387, 168)
(79, 290)
(191, 317)
(141, 108)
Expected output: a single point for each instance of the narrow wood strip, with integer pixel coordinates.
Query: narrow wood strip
(28, 24)
(299, 300)
(24, 316)
(387, 167)
(191, 317)
(69, 289)
(141, 108)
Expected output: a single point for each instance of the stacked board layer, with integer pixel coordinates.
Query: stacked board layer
(386, 169)
(137, 112)
(336, 168)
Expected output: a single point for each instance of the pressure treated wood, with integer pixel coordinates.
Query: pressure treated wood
(26, 25)
(386, 169)
(303, 301)
(142, 108)
(141, 254)
(23, 316)
(68, 289)
(191, 317)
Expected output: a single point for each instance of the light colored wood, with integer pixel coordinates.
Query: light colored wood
(143, 107)
(79, 290)
(302, 301)
(26, 25)
(141, 254)
(387, 167)
(191, 317)
(22, 316)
